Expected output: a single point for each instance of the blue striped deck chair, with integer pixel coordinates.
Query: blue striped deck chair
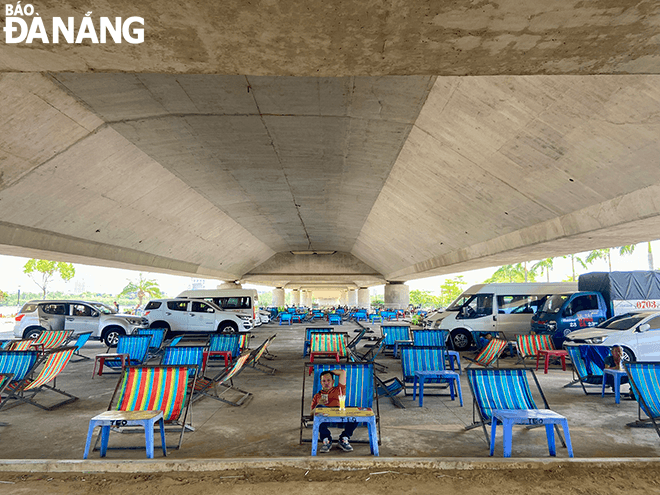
(394, 333)
(501, 388)
(137, 348)
(257, 354)
(588, 363)
(154, 388)
(157, 339)
(192, 356)
(645, 382)
(25, 389)
(433, 338)
(20, 364)
(414, 358)
(308, 336)
(80, 341)
(360, 386)
(225, 342)
(208, 387)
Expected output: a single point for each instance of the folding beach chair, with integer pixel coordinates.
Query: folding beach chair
(208, 387)
(157, 340)
(192, 356)
(22, 345)
(370, 355)
(147, 389)
(490, 354)
(588, 364)
(502, 389)
(530, 345)
(81, 340)
(395, 334)
(645, 382)
(24, 388)
(359, 394)
(136, 347)
(227, 345)
(430, 363)
(390, 388)
(257, 354)
(328, 345)
(308, 333)
(352, 345)
(51, 339)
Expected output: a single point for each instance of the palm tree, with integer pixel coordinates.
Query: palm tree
(142, 288)
(544, 265)
(598, 254)
(650, 257)
(627, 250)
(573, 260)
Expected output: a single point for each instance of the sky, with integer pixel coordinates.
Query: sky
(112, 280)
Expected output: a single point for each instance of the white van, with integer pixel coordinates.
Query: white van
(504, 308)
(240, 301)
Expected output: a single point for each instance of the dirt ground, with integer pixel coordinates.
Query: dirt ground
(565, 479)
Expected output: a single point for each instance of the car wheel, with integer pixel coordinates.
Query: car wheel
(628, 356)
(111, 336)
(160, 324)
(227, 327)
(461, 339)
(33, 333)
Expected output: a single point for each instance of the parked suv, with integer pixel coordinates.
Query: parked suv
(194, 315)
(80, 316)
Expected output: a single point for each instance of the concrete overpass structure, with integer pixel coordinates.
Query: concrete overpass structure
(320, 145)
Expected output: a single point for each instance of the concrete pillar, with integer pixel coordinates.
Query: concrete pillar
(364, 299)
(352, 298)
(278, 297)
(343, 298)
(397, 295)
(295, 297)
(310, 298)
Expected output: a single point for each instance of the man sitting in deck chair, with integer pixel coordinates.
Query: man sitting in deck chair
(328, 396)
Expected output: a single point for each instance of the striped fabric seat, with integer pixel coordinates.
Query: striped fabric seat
(18, 363)
(81, 340)
(192, 356)
(50, 339)
(157, 338)
(329, 343)
(392, 333)
(21, 345)
(415, 359)
(530, 345)
(491, 353)
(645, 382)
(434, 338)
(5, 380)
(588, 363)
(208, 387)
(257, 354)
(308, 336)
(137, 348)
(243, 341)
(226, 342)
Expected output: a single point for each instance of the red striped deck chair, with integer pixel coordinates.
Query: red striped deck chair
(256, 356)
(52, 339)
(21, 345)
(156, 388)
(328, 345)
(530, 345)
(490, 354)
(27, 388)
(208, 387)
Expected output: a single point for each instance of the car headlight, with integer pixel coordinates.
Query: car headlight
(551, 325)
(245, 318)
(595, 340)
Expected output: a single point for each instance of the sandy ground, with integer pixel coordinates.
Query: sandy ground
(565, 479)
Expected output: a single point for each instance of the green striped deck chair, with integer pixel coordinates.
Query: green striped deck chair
(645, 382)
(208, 387)
(256, 356)
(360, 391)
(27, 388)
(490, 354)
(227, 342)
(392, 333)
(328, 345)
(501, 389)
(157, 338)
(530, 345)
(51, 339)
(157, 388)
(137, 348)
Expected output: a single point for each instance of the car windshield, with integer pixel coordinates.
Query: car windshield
(460, 302)
(554, 303)
(622, 322)
(103, 308)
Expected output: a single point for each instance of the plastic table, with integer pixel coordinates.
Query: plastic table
(422, 376)
(348, 415)
(617, 375)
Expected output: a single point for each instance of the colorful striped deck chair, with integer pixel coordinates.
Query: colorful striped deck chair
(588, 363)
(501, 389)
(21, 345)
(328, 345)
(308, 334)
(25, 388)
(645, 382)
(530, 345)
(225, 342)
(394, 333)
(208, 387)
(192, 356)
(415, 359)
(156, 388)
(157, 339)
(360, 386)
(490, 354)
(137, 348)
(257, 354)
(244, 341)
(51, 339)
(20, 364)
(81, 340)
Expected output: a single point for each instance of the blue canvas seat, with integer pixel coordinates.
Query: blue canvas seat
(645, 382)
(157, 339)
(192, 356)
(80, 341)
(137, 348)
(394, 334)
(427, 364)
(588, 364)
(225, 342)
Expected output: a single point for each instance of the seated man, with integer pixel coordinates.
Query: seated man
(329, 397)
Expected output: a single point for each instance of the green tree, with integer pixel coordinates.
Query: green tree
(450, 290)
(580, 261)
(511, 273)
(423, 299)
(42, 272)
(142, 288)
(600, 254)
(544, 266)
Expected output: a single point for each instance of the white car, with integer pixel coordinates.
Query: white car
(637, 333)
(264, 316)
(182, 315)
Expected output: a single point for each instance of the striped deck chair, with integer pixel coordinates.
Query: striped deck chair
(25, 389)
(156, 388)
(361, 333)
(137, 348)
(81, 340)
(370, 354)
(157, 339)
(501, 389)
(415, 359)
(244, 341)
(530, 345)
(360, 386)
(51, 339)
(192, 356)
(208, 387)
(645, 382)
(588, 363)
(394, 333)
(308, 333)
(433, 338)
(490, 354)
(328, 345)
(21, 345)
(225, 342)
(257, 354)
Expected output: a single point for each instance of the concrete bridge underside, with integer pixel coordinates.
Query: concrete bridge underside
(311, 144)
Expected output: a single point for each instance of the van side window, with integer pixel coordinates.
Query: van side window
(54, 309)
(517, 305)
(581, 303)
(478, 306)
(233, 302)
(177, 305)
(80, 310)
(654, 323)
(200, 307)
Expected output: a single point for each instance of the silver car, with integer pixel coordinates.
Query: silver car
(80, 316)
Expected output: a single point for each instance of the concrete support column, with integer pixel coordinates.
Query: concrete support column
(343, 298)
(295, 297)
(310, 298)
(352, 298)
(364, 300)
(397, 295)
(278, 297)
